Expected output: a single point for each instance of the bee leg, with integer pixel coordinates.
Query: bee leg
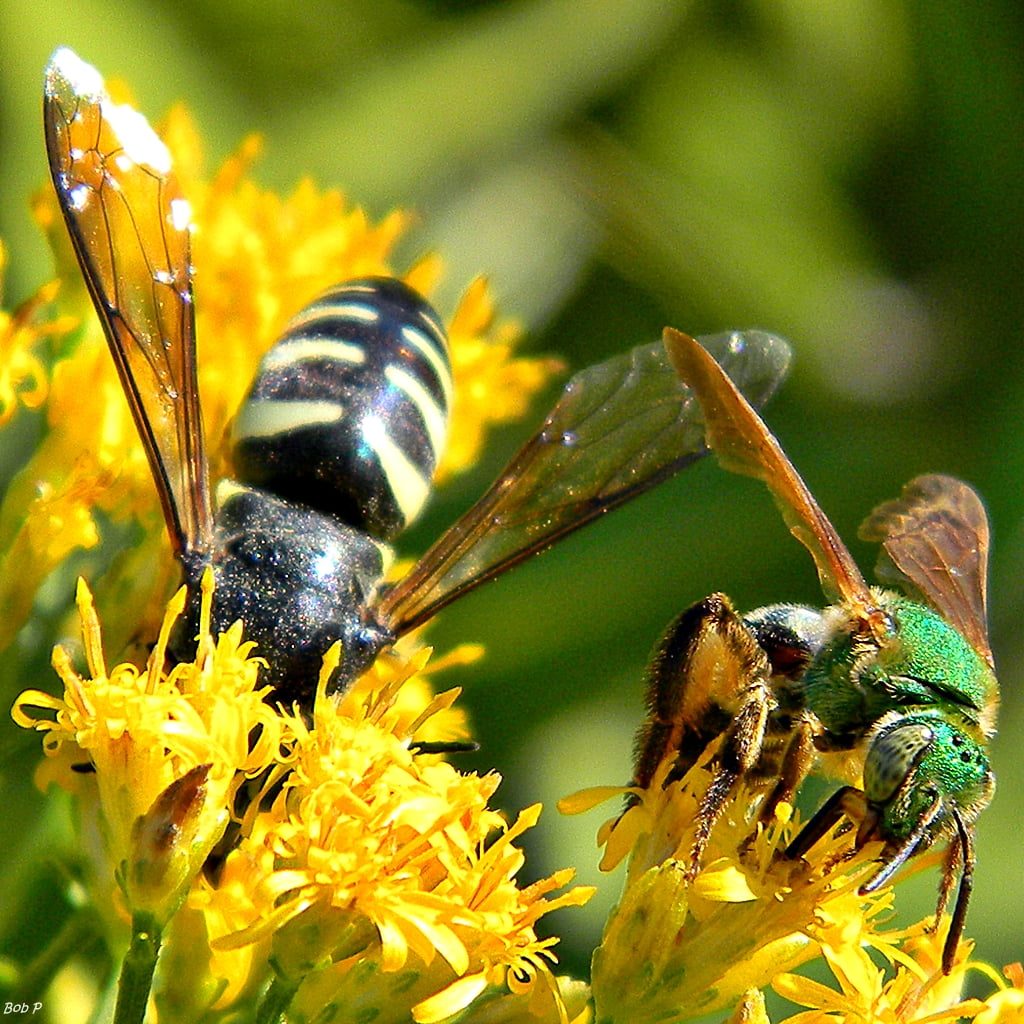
(960, 857)
(685, 710)
(796, 764)
(739, 755)
(709, 679)
(695, 686)
(847, 802)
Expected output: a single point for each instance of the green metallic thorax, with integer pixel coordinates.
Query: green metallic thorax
(922, 663)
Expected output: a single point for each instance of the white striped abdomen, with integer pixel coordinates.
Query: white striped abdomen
(348, 412)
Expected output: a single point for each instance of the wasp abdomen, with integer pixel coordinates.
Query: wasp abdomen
(348, 412)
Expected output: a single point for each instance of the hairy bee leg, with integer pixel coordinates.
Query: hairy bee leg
(795, 767)
(696, 684)
(709, 678)
(739, 755)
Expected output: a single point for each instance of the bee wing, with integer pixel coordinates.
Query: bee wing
(131, 227)
(745, 445)
(935, 539)
(619, 428)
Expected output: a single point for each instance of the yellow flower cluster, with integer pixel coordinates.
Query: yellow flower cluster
(23, 379)
(164, 751)
(371, 850)
(359, 872)
(676, 949)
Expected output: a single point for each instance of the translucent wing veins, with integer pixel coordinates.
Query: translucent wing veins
(744, 444)
(130, 227)
(619, 428)
(935, 537)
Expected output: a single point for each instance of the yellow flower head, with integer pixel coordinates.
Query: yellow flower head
(918, 991)
(687, 947)
(164, 750)
(360, 869)
(373, 854)
(23, 377)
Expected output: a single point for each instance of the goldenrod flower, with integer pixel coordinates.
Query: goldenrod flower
(23, 377)
(165, 751)
(1006, 1004)
(378, 874)
(676, 949)
(918, 991)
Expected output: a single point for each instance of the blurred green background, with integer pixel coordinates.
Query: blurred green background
(847, 174)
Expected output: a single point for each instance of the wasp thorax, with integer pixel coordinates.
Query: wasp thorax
(348, 412)
(299, 580)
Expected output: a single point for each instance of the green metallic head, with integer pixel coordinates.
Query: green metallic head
(926, 774)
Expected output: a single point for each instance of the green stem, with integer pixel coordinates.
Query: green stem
(137, 971)
(276, 1001)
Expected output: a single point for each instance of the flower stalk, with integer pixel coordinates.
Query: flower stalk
(137, 970)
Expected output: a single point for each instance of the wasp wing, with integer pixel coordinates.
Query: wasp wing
(935, 540)
(131, 227)
(619, 428)
(744, 444)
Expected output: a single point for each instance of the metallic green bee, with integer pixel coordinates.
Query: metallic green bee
(905, 682)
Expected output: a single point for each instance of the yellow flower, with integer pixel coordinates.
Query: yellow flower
(676, 948)
(23, 378)
(379, 874)
(362, 872)
(491, 385)
(917, 992)
(1006, 1004)
(164, 751)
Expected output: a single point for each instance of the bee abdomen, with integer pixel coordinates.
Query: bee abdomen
(349, 410)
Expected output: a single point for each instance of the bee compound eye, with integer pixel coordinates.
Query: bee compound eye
(892, 757)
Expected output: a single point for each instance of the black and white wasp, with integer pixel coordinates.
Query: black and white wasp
(336, 444)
